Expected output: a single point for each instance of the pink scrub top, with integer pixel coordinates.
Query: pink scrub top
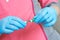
(24, 10)
(19, 8)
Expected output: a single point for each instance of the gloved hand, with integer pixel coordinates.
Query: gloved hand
(46, 16)
(11, 23)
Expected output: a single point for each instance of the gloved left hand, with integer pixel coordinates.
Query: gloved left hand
(46, 16)
(11, 23)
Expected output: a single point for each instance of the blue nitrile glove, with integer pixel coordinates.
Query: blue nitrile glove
(11, 23)
(46, 16)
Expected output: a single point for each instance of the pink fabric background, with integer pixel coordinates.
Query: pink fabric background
(46, 2)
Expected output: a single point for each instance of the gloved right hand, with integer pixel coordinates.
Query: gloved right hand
(11, 23)
(46, 16)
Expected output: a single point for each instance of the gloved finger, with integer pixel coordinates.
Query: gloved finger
(17, 24)
(44, 18)
(8, 31)
(11, 27)
(49, 19)
(19, 20)
(1, 31)
(50, 23)
(39, 12)
(40, 16)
